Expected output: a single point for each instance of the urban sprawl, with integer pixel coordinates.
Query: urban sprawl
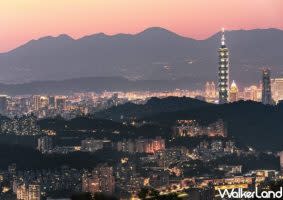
(146, 166)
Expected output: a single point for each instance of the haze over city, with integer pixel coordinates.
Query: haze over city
(141, 100)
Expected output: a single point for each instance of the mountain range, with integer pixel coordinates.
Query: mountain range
(94, 84)
(154, 54)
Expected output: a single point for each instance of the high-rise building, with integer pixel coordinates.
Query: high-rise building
(12, 169)
(155, 145)
(43, 102)
(234, 92)
(22, 192)
(100, 180)
(207, 89)
(223, 71)
(34, 192)
(217, 129)
(44, 144)
(281, 160)
(266, 87)
(252, 93)
(51, 101)
(107, 180)
(90, 183)
(277, 89)
(36, 102)
(60, 102)
(210, 90)
(3, 104)
(126, 146)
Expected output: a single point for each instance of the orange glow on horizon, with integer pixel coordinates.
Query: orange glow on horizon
(23, 20)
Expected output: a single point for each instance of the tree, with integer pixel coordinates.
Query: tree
(82, 196)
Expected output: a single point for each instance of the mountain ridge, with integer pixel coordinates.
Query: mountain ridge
(154, 53)
(139, 33)
(92, 84)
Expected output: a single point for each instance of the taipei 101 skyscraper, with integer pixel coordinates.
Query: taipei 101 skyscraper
(223, 71)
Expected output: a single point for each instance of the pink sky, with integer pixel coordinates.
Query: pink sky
(23, 20)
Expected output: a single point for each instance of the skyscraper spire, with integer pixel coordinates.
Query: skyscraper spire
(223, 71)
(223, 37)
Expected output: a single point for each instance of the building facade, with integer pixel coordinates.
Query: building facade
(281, 160)
(277, 89)
(34, 192)
(223, 71)
(266, 87)
(234, 92)
(44, 144)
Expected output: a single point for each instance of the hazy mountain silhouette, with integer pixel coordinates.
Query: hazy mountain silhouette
(94, 84)
(153, 54)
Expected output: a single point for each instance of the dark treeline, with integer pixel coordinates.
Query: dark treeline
(251, 123)
(29, 158)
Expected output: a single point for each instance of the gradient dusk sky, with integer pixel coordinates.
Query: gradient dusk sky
(23, 20)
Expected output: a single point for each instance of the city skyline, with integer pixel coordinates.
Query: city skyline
(24, 21)
(148, 115)
(226, 92)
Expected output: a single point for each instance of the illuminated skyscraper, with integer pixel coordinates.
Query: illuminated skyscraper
(223, 71)
(266, 87)
(277, 89)
(51, 102)
(60, 102)
(22, 192)
(207, 89)
(252, 93)
(281, 160)
(210, 91)
(233, 92)
(34, 192)
(36, 102)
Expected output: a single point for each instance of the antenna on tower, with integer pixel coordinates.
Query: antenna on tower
(223, 37)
